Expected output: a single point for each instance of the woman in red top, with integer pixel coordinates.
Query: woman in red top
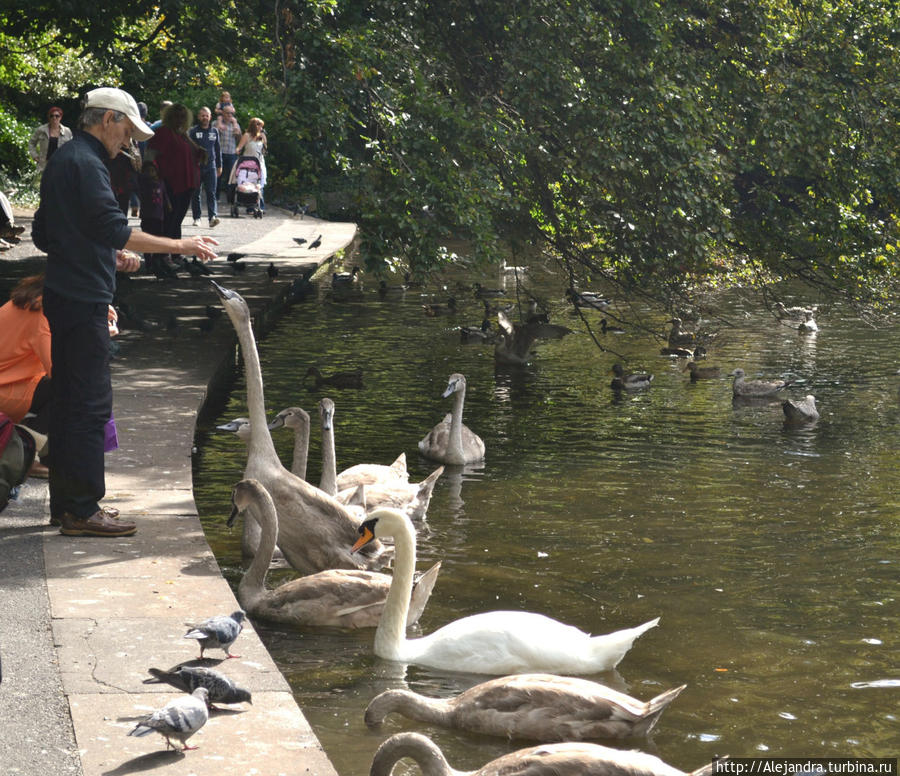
(25, 354)
(176, 159)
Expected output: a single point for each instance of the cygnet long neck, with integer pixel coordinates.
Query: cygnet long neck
(425, 752)
(252, 585)
(454, 441)
(260, 444)
(433, 710)
(328, 482)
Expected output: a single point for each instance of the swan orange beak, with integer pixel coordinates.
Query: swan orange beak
(365, 537)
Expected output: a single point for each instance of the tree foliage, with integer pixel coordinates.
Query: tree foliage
(658, 146)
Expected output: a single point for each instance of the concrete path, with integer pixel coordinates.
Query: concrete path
(83, 618)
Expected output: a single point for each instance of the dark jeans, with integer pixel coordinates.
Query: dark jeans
(81, 403)
(40, 406)
(208, 182)
(228, 161)
(172, 222)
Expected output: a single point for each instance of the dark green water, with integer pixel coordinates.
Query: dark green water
(771, 554)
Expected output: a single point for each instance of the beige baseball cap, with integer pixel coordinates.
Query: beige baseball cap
(116, 99)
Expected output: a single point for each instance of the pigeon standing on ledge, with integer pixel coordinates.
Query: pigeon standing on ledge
(220, 631)
(178, 719)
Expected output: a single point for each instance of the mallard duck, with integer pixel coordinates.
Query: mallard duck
(702, 372)
(606, 328)
(801, 411)
(540, 707)
(481, 292)
(451, 441)
(679, 352)
(592, 299)
(678, 337)
(566, 759)
(477, 334)
(435, 309)
(343, 598)
(808, 325)
(344, 278)
(633, 381)
(349, 379)
(486, 643)
(755, 388)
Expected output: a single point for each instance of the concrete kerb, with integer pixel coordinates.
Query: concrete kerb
(118, 606)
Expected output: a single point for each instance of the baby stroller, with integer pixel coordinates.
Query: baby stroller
(246, 177)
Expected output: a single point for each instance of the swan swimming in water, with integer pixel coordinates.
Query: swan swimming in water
(314, 528)
(411, 498)
(566, 759)
(541, 707)
(344, 598)
(450, 441)
(501, 642)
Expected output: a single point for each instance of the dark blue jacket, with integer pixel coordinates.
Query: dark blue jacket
(79, 224)
(208, 140)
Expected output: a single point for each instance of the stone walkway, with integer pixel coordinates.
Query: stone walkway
(83, 618)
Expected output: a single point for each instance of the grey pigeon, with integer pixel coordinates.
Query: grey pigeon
(188, 678)
(755, 388)
(315, 243)
(299, 240)
(220, 631)
(178, 719)
(802, 411)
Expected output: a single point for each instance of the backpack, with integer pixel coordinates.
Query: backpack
(17, 450)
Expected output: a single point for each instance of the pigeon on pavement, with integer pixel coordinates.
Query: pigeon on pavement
(220, 631)
(315, 243)
(221, 688)
(178, 719)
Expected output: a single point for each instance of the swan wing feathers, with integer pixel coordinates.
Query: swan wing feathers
(370, 473)
(517, 642)
(576, 757)
(315, 531)
(546, 707)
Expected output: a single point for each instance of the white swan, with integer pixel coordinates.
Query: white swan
(411, 498)
(541, 707)
(490, 642)
(297, 419)
(370, 473)
(568, 759)
(345, 598)
(450, 441)
(314, 529)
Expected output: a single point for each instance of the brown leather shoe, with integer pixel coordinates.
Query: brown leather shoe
(98, 524)
(111, 512)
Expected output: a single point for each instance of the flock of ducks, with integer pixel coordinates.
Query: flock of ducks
(687, 344)
(336, 536)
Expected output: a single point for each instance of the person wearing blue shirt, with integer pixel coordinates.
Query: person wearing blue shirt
(206, 136)
(80, 227)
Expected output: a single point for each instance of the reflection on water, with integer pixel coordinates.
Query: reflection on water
(769, 551)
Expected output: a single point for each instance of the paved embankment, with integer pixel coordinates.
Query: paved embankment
(83, 618)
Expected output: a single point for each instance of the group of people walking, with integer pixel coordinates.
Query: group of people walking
(164, 176)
